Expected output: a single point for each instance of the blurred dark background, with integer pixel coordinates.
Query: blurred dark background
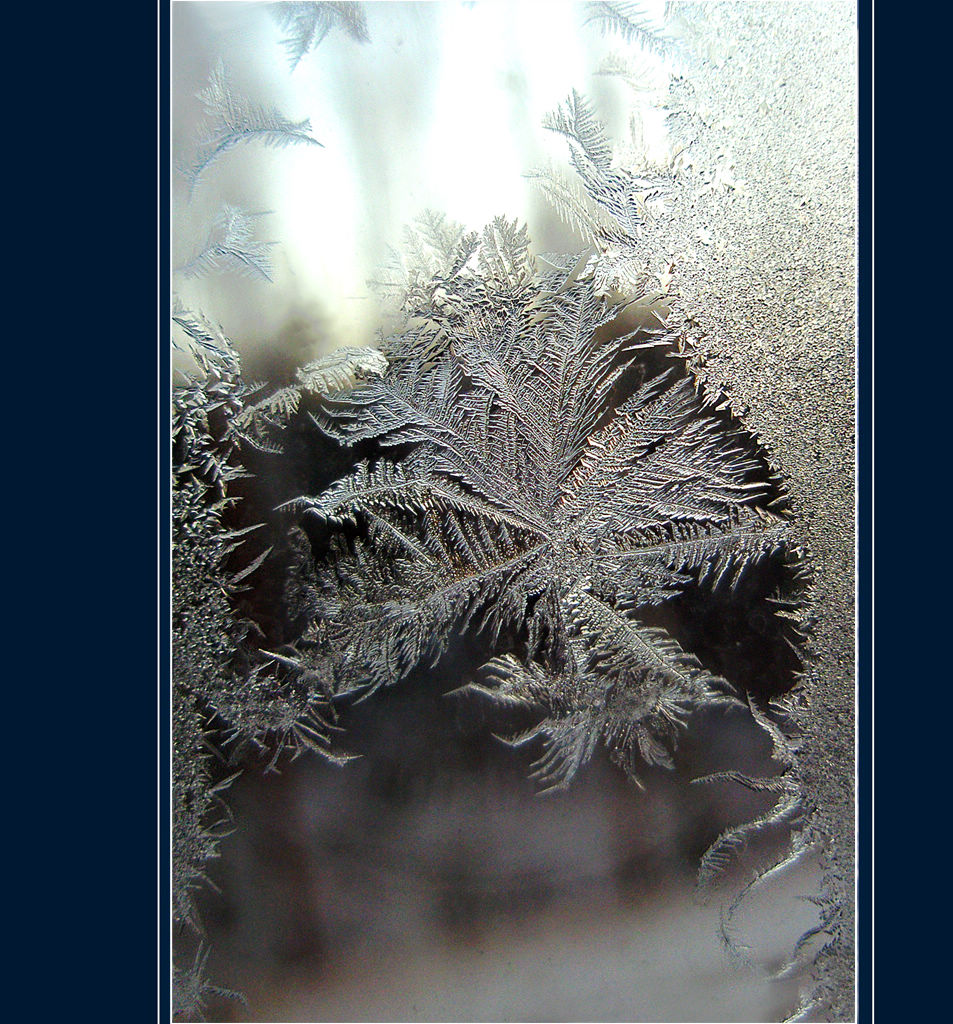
(430, 880)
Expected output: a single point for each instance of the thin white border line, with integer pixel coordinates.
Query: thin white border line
(873, 688)
(166, 682)
(859, 341)
(161, 778)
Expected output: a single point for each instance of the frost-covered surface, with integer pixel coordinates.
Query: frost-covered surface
(767, 269)
(747, 227)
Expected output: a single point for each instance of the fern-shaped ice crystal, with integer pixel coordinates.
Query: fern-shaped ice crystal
(547, 492)
(230, 246)
(231, 120)
(306, 24)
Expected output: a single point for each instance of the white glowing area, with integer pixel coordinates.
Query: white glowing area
(441, 109)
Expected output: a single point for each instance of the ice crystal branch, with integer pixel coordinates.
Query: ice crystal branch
(231, 120)
(230, 246)
(551, 493)
(634, 24)
(306, 24)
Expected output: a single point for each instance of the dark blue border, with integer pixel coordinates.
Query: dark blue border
(87, 606)
(911, 267)
(80, 490)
